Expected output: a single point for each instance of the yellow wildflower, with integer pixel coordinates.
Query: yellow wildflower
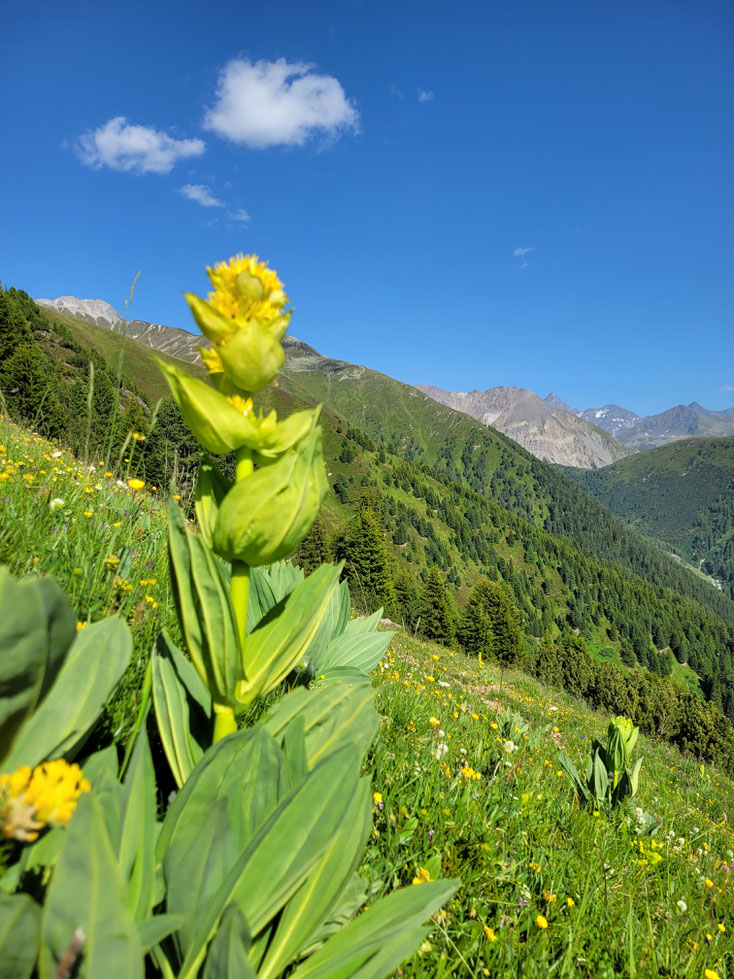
(137, 436)
(422, 876)
(710, 974)
(45, 796)
(136, 484)
(570, 902)
(81, 625)
(376, 798)
(708, 883)
(245, 288)
(434, 722)
(489, 932)
(541, 922)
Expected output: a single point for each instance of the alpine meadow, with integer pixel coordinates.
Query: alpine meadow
(331, 644)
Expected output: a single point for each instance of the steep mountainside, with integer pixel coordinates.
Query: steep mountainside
(555, 402)
(173, 341)
(545, 430)
(682, 494)
(611, 418)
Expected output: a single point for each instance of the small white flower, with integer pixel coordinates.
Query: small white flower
(57, 503)
(509, 747)
(55, 455)
(440, 751)
(551, 709)
(682, 905)
(442, 683)
(462, 750)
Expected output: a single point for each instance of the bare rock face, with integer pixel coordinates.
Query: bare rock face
(170, 339)
(545, 430)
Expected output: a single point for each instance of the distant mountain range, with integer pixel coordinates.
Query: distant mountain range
(548, 428)
(549, 432)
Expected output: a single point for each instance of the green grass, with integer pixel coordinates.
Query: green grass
(514, 835)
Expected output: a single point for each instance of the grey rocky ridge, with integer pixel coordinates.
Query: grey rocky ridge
(548, 432)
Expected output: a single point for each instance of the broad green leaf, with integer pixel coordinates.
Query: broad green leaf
(281, 856)
(635, 777)
(334, 715)
(96, 661)
(600, 778)
(37, 626)
(575, 779)
(101, 771)
(183, 708)
(224, 802)
(262, 598)
(137, 833)
(204, 610)
(310, 906)
(88, 892)
(247, 770)
(20, 931)
(279, 641)
(211, 488)
(361, 653)
(152, 931)
(228, 953)
(350, 901)
(373, 945)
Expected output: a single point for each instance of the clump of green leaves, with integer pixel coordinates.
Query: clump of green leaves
(607, 784)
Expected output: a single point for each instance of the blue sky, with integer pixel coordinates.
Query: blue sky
(471, 194)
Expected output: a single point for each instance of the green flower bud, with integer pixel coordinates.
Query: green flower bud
(210, 321)
(621, 739)
(215, 422)
(249, 287)
(277, 437)
(252, 357)
(265, 517)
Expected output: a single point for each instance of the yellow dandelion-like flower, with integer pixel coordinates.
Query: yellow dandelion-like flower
(81, 625)
(44, 796)
(570, 902)
(136, 484)
(245, 288)
(422, 876)
(541, 922)
(489, 932)
(710, 974)
(138, 436)
(708, 882)
(376, 798)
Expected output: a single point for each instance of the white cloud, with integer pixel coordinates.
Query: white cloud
(201, 194)
(142, 149)
(727, 387)
(522, 252)
(424, 96)
(274, 103)
(240, 216)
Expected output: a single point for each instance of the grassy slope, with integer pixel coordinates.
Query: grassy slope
(513, 835)
(138, 358)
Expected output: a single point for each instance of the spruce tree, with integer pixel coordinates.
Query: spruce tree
(368, 565)
(435, 609)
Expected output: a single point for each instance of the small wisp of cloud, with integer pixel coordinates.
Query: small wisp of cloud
(275, 103)
(120, 145)
(424, 96)
(238, 216)
(727, 387)
(200, 194)
(522, 252)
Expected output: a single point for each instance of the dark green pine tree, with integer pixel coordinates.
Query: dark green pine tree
(407, 596)
(368, 565)
(435, 609)
(315, 549)
(490, 623)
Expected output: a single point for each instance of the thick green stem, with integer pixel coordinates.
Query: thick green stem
(243, 464)
(224, 722)
(239, 591)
